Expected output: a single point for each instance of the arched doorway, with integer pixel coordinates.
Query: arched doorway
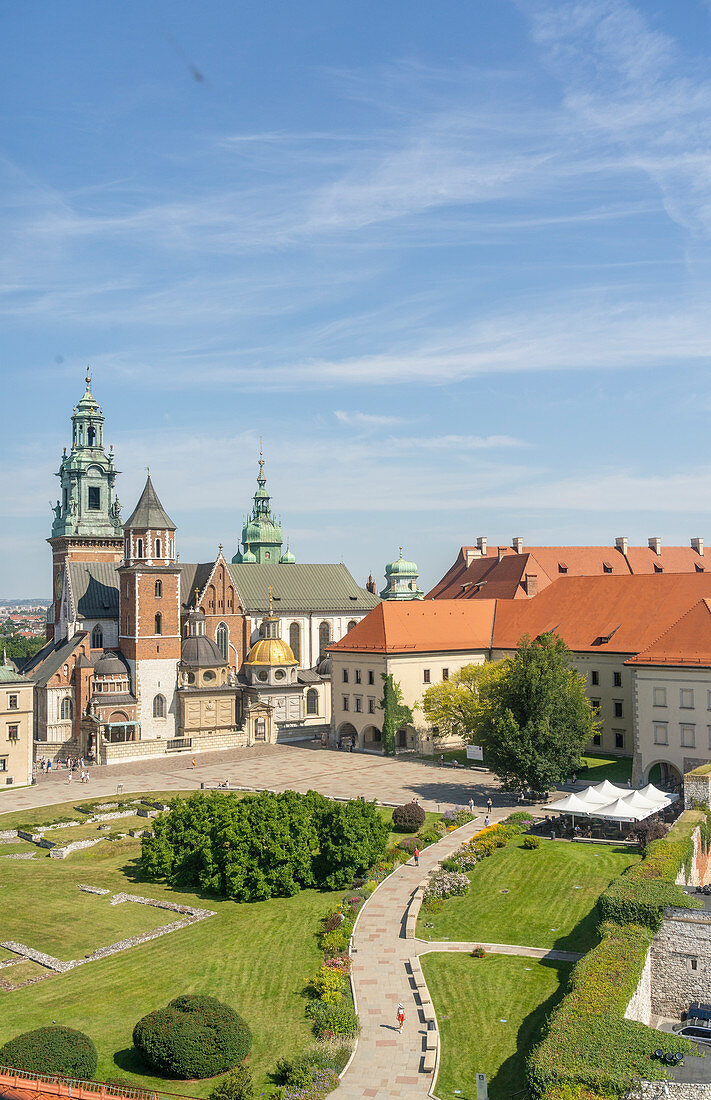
(347, 735)
(373, 739)
(665, 775)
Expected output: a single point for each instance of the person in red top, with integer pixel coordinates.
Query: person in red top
(416, 854)
(400, 1016)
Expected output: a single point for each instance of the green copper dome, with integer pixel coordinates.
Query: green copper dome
(248, 557)
(401, 581)
(262, 537)
(287, 558)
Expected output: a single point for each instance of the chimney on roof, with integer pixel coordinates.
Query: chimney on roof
(470, 555)
(501, 551)
(531, 584)
(655, 544)
(481, 544)
(698, 546)
(621, 544)
(518, 545)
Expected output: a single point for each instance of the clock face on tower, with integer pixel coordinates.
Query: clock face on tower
(58, 586)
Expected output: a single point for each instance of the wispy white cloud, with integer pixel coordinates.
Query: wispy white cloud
(367, 420)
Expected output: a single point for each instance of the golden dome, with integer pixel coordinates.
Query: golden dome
(271, 651)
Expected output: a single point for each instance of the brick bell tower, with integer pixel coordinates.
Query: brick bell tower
(149, 614)
(87, 517)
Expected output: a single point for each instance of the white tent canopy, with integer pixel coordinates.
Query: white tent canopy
(611, 803)
(571, 804)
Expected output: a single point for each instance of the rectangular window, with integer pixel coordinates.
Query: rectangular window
(357, 674)
(686, 698)
(617, 708)
(661, 734)
(595, 704)
(597, 740)
(12, 702)
(358, 704)
(619, 739)
(346, 702)
(13, 732)
(426, 675)
(371, 706)
(94, 498)
(345, 675)
(3, 763)
(708, 730)
(594, 677)
(445, 673)
(617, 679)
(688, 736)
(708, 700)
(371, 677)
(660, 697)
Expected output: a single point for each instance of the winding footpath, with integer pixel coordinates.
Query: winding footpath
(387, 1064)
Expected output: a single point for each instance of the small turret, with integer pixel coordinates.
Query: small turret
(401, 581)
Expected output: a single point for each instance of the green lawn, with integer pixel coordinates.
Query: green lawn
(491, 1013)
(618, 769)
(68, 810)
(387, 815)
(258, 958)
(550, 901)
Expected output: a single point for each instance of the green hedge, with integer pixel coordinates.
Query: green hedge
(56, 1050)
(644, 891)
(590, 1050)
(589, 1043)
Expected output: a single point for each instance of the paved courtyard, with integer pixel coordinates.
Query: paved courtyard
(300, 766)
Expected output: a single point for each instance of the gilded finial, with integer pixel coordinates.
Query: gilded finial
(197, 595)
(148, 470)
(270, 599)
(401, 551)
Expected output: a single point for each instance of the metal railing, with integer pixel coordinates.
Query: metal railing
(179, 743)
(46, 1084)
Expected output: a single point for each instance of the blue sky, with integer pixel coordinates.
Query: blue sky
(451, 261)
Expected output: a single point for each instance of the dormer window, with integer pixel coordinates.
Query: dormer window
(562, 567)
(658, 568)
(606, 567)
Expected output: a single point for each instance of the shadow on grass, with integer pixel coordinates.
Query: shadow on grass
(586, 933)
(130, 1061)
(509, 1081)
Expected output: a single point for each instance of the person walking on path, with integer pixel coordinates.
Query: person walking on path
(489, 805)
(416, 854)
(470, 804)
(400, 1016)
(486, 822)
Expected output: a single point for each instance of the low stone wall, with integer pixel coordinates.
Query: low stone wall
(58, 852)
(663, 1090)
(681, 961)
(640, 1006)
(697, 787)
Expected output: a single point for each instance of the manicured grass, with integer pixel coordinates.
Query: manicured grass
(258, 958)
(387, 815)
(551, 897)
(471, 998)
(618, 769)
(83, 796)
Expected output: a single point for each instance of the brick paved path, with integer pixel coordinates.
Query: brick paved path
(300, 766)
(387, 1064)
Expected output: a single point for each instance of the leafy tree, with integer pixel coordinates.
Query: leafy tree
(264, 845)
(395, 713)
(193, 1036)
(537, 718)
(456, 706)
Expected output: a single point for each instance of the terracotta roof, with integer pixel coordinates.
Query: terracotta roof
(421, 626)
(505, 578)
(686, 642)
(602, 614)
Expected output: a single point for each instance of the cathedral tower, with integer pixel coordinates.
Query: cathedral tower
(261, 535)
(87, 516)
(149, 613)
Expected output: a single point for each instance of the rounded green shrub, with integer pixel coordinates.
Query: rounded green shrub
(408, 818)
(531, 842)
(56, 1050)
(192, 1037)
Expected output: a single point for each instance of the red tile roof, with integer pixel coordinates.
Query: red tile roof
(421, 626)
(631, 612)
(501, 572)
(686, 642)
(607, 614)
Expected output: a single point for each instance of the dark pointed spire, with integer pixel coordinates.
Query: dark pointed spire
(149, 513)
